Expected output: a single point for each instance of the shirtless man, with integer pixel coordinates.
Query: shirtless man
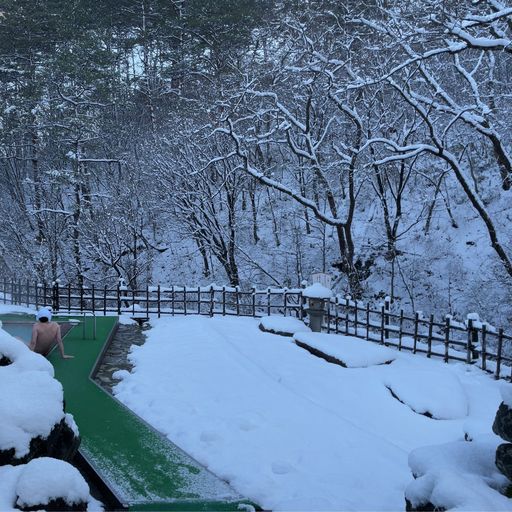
(45, 334)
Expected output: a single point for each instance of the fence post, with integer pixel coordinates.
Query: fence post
(93, 299)
(55, 301)
(198, 300)
(28, 293)
(105, 300)
(223, 301)
(185, 299)
(382, 324)
(387, 305)
(118, 293)
(328, 303)
(285, 302)
(347, 305)
(172, 300)
(447, 339)
(268, 301)
(253, 290)
(212, 299)
(147, 300)
(498, 359)
(355, 318)
(36, 293)
(337, 311)
(237, 295)
(158, 300)
(45, 303)
(415, 340)
(367, 320)
(469, 341)
(5, 290)
(400, 329)
(69, 297)
(429, 340)
(81, 298)
(484, 347)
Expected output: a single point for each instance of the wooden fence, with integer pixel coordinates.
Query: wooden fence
(470, 342)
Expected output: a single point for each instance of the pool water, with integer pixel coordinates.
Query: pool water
(22, 331)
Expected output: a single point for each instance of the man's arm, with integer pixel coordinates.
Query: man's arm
(33, 340)
(61, 345)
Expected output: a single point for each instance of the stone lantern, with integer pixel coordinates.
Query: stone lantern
(317, 295)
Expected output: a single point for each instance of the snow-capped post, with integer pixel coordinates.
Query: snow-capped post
(317, 294)
(473, 328)
(447, 338)
(484, 346)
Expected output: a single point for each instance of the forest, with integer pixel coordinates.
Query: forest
(255, 142)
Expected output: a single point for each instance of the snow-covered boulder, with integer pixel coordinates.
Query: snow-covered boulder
(33, 421)
(346, 351)
(502, 427)
(434, 393)
(51, 484)
(458, 475)
(283, 325)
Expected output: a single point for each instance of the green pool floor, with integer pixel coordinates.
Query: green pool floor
(144, 469)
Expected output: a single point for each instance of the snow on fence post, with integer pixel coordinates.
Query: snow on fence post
(105, 300)
(237, 296)
(447, 339)
(429, 340)
(382, 324)
(268, 301)
(367, 320)
(469, 341)
(400, 329)
(415, 339)
(498, 358)
(253, 297)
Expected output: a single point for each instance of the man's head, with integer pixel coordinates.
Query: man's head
(44, 315)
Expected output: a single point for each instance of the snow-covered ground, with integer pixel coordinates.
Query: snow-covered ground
(293, 432)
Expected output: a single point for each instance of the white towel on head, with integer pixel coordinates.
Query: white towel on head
(44, 313)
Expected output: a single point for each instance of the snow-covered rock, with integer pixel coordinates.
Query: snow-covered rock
(51, 484)
(434, 393)
(345, 350)
(285, 326)
(456, 476)
(33, 422)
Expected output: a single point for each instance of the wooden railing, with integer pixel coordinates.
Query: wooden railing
(471, 342)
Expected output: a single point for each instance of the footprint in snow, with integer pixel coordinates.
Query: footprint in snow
(281, 468)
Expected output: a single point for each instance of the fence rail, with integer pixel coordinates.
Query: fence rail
(470, 342)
